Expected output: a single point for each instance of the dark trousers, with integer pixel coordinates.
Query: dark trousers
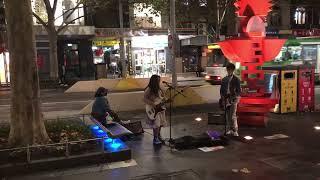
(114, 116)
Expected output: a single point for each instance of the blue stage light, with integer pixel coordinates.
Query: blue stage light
(115, 145)
(108, 140)
(95, 127)
(100, 131)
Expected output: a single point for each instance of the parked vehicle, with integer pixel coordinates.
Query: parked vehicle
(214, 74)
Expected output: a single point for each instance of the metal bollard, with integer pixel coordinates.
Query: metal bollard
(67, 149)
(102, 143)
(28, 154)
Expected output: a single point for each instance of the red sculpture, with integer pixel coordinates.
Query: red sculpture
(252, 49)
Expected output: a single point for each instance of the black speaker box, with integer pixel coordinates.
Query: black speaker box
(216, 118)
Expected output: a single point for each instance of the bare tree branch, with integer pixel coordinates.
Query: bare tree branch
(40, 20)
(67, 23)
(225, 8)
(71, 9)
(48, 7)
(70, 13)
(54, 6)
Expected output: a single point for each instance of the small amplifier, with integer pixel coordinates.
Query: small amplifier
(215, 118)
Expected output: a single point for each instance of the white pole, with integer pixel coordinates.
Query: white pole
(122, 50)
(174, 36)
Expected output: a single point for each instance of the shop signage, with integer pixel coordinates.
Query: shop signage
(306, 32)
(288, 31)
(116, 32)
(68, 31)
(105, 42)
(195, 41)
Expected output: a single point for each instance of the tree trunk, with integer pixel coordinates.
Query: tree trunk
(53, 38)
(27, 125)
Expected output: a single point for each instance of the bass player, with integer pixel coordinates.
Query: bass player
(230, 95)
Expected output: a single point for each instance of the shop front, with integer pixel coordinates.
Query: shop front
(4, 69)
(194, 53)
(149, 55)
(106, 56)
(73, 51)
(300, 51)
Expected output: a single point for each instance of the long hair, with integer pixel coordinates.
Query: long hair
(101, 91)
(154, 85)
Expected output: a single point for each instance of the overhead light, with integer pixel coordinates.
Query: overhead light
(317, 128)
(248, 138)
(70, 45)
(198, 119)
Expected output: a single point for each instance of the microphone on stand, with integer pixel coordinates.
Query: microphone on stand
(165, 82)
(171, 87)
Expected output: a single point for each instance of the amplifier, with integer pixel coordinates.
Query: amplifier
(216, 118)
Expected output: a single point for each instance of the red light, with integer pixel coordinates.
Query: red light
(219, 77)
(252, 14)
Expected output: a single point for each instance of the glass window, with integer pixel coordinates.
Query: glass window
(203, 3)
(309, 52)
(300, 15)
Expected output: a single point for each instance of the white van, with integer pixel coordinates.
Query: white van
(214, 74)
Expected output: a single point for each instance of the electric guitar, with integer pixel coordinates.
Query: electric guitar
(152, 111)
(227, 101)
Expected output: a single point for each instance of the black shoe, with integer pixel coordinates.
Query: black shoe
(156, 141)
(162, 140)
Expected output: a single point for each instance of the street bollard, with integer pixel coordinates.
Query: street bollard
(28, 154)
(67, 149)
(102, 149)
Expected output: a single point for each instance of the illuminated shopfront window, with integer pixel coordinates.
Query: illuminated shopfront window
(300, 15)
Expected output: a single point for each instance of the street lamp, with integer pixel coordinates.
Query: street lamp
(198, 119)
(317, 128)
(248, 138)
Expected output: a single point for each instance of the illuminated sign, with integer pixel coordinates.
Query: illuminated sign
(105, 42)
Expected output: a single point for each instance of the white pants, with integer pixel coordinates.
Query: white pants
(231, 117)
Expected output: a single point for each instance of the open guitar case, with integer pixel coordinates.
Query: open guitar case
(208, 139)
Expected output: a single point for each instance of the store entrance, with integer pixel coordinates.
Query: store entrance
(71, 60)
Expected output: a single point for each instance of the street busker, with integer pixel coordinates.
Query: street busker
(153, 95)
(101, 108)
(230, 95)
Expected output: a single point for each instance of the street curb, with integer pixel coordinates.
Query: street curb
(16, 169)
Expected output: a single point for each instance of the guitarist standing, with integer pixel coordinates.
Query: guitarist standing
(230, 95)
(154, 96)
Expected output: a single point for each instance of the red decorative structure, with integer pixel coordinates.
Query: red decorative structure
(252, 49)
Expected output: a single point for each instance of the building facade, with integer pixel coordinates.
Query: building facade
(300, 23)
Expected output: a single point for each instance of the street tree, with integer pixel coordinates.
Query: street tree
(27, 126)
(212, 12)
(45, 15)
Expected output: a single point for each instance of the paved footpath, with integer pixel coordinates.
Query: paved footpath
(296, 157)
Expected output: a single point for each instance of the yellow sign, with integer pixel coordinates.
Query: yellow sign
(105, 42)
(214, 46)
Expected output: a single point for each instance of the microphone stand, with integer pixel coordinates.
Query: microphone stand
(170, 88)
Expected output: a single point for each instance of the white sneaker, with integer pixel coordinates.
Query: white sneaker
(125, 122)
(229, 132)
(235, 134)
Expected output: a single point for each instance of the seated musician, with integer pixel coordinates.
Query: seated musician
(101, 108)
